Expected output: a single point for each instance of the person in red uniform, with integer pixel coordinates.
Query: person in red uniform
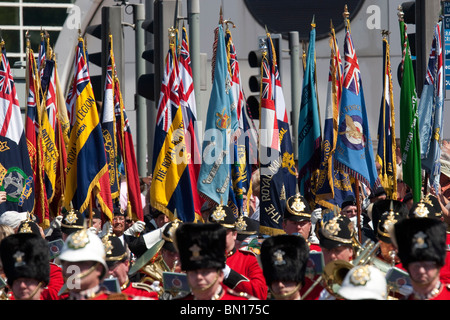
(25, 259)
(117, 259)
(84, 266)
(421, 248)
(56, 281)
(242, 271)
(429, 207)
(202, 255)
(284, 259)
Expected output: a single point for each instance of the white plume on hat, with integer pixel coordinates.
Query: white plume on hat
(13, 218)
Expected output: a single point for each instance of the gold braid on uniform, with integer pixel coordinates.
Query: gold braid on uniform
(287, 294)
(124, 286)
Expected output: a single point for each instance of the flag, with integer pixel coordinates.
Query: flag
(409, 122)
(87, 170)
(170, 190)
(272, 188)
(189, 111)
(16, 174)
(332, 185)
(386, 151)
(126, 146)
(240, 173)
(52, 135)
(34, 141)
(286, 148)
(49, 128)
(430, 110)
(309, 133)
(108, 121)
(354, 152)
(62, 140)
(214, 178)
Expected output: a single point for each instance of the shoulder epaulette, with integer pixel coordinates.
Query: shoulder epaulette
(241, 294)
(243, 250)
(142, 285)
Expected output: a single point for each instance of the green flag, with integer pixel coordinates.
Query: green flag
(409, 122)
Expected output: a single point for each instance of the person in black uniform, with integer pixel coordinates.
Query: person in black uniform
(284, 259)
(25, 258)
(202, 255)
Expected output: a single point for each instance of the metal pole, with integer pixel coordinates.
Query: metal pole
(149, 68)
(193, 7)
(294, 50)
(140, 103)
(110, 16)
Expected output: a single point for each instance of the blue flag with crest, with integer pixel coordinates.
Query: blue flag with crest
(430, 111)
(214, 177)
(354, 152)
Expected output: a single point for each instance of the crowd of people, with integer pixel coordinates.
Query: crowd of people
(376, 249)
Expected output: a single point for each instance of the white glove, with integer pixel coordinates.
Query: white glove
(226, 271)
(316, 215)
(93, 230)
(56, 223)
(137, 227)
(106, 229)
(155, 286)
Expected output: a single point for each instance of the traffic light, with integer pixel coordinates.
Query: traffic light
(96, 58)
(156, 47)
(146, 82)
(109, 25)
(414, 14)
(254, 81)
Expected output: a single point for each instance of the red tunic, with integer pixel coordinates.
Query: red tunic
(445, 270)
(444, 294)
(315, 247)
(55, 284)
(246, 264)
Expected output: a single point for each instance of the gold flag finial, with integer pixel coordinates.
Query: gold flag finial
(226, 22)
(313, 22)
(221, 15)
(172, 35)
(27, 37)
(346, 14)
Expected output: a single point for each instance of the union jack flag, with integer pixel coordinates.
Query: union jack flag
(236, 79)
(266, 83)
(351, 68)
(14, 155)
(82, 79)
(8, 92)
(269, 139)
(169, 95)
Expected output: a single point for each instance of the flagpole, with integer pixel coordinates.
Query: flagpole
(346, 14)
